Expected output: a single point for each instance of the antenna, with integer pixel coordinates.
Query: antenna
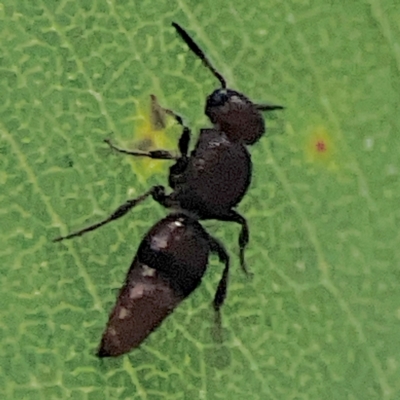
(268, 107)
(199, 53)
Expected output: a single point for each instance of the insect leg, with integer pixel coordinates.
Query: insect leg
(218, 248)
(155, 154)
(184, 140)
(234, 216)
(118, 213)
(268, 107)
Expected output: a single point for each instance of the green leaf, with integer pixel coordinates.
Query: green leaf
(320, 319)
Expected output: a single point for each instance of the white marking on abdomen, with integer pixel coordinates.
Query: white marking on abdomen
(147, 271)
(123, 313)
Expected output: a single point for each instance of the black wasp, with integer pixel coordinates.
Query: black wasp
(206, 184)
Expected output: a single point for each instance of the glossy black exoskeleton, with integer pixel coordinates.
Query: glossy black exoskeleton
(212, 180)
(208, 183)
(230, 111)
(168, 266)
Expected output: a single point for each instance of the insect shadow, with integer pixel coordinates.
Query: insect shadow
(207, 183)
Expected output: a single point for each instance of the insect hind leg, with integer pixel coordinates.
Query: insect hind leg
(220, 295)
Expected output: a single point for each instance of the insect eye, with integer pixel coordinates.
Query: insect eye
(218, 98)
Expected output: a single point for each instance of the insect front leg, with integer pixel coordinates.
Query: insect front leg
(184, 140)
(183, 144)
(154, 154)
(177, 170)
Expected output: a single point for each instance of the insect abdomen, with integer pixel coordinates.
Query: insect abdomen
(170, 263)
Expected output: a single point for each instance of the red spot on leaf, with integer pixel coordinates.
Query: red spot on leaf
(321, 146)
